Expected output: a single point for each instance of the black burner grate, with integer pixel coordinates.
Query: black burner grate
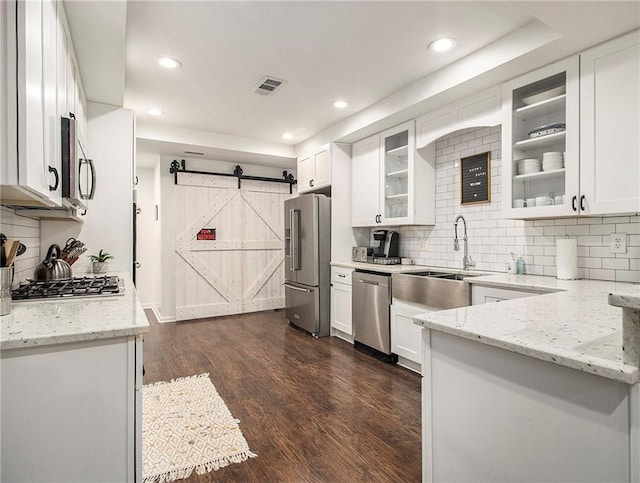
(68, 287)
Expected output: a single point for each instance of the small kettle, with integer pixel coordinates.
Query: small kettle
(52, 267)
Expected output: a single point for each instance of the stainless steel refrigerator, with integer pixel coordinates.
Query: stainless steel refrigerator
(307, 247)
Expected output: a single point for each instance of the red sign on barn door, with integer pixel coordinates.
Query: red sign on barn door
(207, 234)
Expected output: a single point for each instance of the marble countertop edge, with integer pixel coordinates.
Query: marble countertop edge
(50, 340)
(625, 300)
(600, 367)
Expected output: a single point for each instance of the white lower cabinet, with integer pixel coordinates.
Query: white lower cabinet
(71, 412)
(484, 295)
(406, 336)
(341, 303)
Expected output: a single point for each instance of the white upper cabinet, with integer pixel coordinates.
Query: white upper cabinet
(540, 142)
(386, 172)
(570, 135)
(314, 170)
(610, 127)
(51, 119)
(39, 66)
(365, 182)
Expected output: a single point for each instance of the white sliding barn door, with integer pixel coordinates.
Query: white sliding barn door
(242, 270)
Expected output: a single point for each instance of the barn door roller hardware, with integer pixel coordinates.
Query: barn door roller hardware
(180, 167)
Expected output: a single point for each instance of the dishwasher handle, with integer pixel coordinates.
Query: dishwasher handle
(370, 282)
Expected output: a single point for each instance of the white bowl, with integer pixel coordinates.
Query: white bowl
(552, 166)
(518, 203)
(552, 155)
(543, 96)
(531, 202)
(543, 201)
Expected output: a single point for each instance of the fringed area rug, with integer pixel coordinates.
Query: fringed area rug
(187, 426)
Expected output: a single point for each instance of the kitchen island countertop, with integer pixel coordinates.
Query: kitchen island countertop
(54, 321)
(570, 324)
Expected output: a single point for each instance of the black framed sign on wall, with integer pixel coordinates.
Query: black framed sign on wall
(475, 179)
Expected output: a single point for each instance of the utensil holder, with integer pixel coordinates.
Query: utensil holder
(6, 275)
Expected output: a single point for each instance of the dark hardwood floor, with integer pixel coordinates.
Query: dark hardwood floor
(314, 410)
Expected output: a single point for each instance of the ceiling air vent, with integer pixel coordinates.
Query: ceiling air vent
(195, 153)
(268, 85)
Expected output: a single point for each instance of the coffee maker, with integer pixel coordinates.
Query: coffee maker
(386, 246)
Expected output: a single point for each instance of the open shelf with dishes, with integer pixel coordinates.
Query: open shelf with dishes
(396, 174)
(540, 132)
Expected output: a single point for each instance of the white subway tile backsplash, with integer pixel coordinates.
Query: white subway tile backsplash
(492, 238)
(602, 252)
(579, 229)
(628, 228)
(27, 230)
(589, 262)
(628, 276)
(589, 221)
(616, 219)
(602, 274)
(616, 263)
(590, 241)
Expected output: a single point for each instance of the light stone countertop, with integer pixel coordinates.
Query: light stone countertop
(375, 267)
(629, 298)
(55, 321)
(572, 324)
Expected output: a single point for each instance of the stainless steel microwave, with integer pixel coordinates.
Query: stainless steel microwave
(78, 171)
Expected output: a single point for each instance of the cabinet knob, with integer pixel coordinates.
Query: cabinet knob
(57, 182)
(311, 183)
(573, 203)
(582, 203)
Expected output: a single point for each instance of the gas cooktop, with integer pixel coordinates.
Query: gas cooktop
(69, 287)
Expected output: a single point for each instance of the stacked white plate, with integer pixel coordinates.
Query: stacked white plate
(529, 165)
(552, 160)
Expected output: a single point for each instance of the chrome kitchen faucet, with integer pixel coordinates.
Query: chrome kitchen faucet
(467, 263)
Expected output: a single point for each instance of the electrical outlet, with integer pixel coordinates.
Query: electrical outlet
(618, 243)
(424, 244)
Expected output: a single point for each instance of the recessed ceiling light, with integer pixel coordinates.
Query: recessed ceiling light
(155, 111)
(442, 45)
(287, 135)
(340, 104)
(169, 63)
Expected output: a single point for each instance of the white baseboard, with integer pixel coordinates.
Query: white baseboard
(163, 319)
(407, 364)
(341, 335)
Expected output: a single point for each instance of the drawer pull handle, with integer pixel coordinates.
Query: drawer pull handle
(305, 290)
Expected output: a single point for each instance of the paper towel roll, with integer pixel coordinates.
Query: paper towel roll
(566, 258)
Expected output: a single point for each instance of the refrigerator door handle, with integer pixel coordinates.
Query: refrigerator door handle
(293, 287)
(294, 223)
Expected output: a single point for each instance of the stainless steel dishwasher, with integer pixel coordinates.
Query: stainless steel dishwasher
(371, 296)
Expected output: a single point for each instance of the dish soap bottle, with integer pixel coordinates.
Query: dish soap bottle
(512, 265)
(519, 267)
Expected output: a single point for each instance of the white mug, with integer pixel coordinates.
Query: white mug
(407, 261)
(518, 203)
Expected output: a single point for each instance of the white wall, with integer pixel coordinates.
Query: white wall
(492, 238)
(108, 223)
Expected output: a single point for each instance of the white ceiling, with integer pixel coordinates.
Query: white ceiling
(359, 51)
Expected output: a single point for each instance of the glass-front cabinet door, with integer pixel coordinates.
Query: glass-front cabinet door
(396, 174)
(540, 142)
